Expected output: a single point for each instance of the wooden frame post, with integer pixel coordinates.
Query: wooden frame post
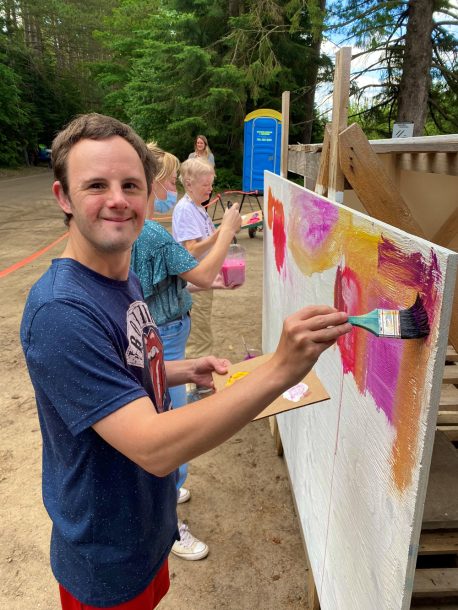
(322, 179)
(340, 100)
(284, 133)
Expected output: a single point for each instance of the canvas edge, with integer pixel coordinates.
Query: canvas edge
(449, 283)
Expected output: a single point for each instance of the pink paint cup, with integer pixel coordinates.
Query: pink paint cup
(233, 268)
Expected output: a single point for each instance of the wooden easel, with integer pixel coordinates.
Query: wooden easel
(347, 155)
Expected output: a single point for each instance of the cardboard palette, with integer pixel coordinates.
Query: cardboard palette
(253, 219)
(315, 393)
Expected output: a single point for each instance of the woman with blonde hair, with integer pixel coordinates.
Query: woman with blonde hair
(164, 267)
(193, 228)
(202, 150)
(164, 191)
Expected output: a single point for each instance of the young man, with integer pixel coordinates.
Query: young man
(111, 444)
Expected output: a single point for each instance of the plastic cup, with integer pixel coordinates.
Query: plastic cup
(234, 265)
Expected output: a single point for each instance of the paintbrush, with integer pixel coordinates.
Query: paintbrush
(409, 323)
(245, 346)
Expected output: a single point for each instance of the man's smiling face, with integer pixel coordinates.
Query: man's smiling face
(107, 194)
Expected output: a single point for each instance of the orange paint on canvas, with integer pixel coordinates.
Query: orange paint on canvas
(383, 274)
(407, 413)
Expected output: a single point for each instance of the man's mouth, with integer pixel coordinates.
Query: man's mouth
(118, 219)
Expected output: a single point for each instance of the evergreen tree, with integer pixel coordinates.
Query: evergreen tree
(415, 50)
(44, 53)
(183, 67)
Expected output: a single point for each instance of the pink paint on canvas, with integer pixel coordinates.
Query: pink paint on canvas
(347, 297)
(382, 371)
(317, 219)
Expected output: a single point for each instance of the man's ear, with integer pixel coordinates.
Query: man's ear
(61, 197)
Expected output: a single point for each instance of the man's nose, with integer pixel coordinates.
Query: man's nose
(117, 198)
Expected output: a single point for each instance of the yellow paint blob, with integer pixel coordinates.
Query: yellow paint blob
(235, 377)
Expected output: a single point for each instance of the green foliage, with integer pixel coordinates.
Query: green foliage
(226, 179)
(174, 89)
(184, 67)
(44, 78)
(171, 68)
(375, 121)
(14, 117)
(379, 27)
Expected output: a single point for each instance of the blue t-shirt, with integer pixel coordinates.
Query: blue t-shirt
(91, 348)
(157, 259)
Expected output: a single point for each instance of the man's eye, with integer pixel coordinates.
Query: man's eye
(130, 186)
(96, 185)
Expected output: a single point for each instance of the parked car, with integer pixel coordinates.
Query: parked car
(43, 155)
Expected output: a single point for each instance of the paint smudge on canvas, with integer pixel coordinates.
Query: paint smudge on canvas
(313, 233)
(276, 222)
(371, 272)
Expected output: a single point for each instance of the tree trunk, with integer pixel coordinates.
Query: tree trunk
(234, 8)
(312, 77)
(416, 66)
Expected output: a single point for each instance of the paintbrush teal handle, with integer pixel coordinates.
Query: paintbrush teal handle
(369, 321)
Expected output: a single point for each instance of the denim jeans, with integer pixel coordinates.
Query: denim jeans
(174, 336)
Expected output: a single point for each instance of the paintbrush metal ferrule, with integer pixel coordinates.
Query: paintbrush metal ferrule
(409, 323)
(380, 322)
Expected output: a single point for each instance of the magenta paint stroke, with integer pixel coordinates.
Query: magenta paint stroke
(314, 220)
(382, 373)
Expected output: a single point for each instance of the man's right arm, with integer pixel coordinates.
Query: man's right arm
(159, 443)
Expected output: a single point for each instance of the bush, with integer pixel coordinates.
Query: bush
(226, 180)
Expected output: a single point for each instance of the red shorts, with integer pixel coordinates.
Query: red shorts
(147, 600)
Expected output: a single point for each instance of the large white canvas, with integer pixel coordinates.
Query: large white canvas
(359, 462)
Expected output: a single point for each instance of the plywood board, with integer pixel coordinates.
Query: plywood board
(315, 391)
(359, 467)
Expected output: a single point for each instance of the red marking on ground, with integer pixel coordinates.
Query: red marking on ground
(31, 258)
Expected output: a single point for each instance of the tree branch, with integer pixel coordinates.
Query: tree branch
(381, 47)
(372, 108)
(441, 111)
(440, 23)
(387, 4)
(445, 11)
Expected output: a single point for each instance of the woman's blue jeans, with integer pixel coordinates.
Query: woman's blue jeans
(174, 336)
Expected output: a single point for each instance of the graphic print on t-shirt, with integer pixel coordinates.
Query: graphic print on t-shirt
(156, 366)
(145, 348)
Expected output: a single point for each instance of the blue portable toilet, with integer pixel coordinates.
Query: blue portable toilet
(261, 147)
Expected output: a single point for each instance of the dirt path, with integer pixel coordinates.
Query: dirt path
(241, 503)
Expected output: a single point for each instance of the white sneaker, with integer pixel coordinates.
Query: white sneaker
(188, 547)
(183, 495)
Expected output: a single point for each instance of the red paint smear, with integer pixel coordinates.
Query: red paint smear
(276, 222)
(346, 284)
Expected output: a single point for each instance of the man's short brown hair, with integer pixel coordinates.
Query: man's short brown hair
(94, 126)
